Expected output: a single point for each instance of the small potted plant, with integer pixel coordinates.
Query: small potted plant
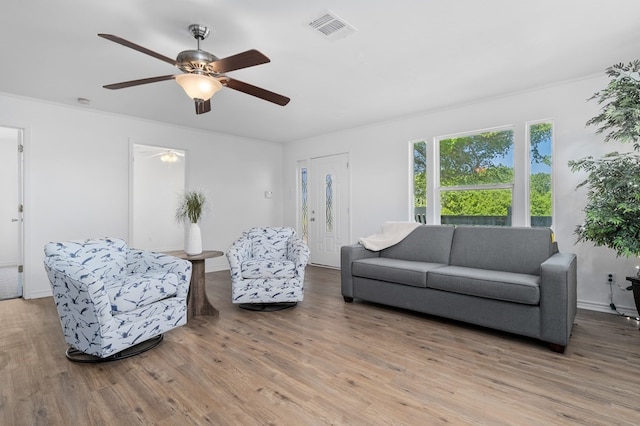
(189, 212)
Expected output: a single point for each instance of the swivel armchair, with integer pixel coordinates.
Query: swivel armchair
(113, 301)
(267, 268)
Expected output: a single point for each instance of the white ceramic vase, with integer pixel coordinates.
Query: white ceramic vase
(193, 240)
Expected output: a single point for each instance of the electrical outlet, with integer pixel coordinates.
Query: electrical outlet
(611, 278)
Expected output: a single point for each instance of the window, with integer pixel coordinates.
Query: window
(303, 199)
(540, 184)
(476, 178)
(329, 203)
(420, 181)
(470, 178)
(304, 203)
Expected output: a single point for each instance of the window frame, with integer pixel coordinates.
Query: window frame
(527, 191)
(302, 198)
(438, 188)
(520, 187)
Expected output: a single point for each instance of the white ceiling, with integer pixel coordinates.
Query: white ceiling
(406, 57)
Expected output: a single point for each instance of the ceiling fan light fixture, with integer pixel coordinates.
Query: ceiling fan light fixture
(198, 86)
(169, 157)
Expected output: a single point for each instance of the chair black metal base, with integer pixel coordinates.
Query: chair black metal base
(77, 356)
(267, 307)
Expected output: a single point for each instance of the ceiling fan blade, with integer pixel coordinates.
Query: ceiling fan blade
(257, 92)
(139, 82)
(203, 106)
(167, 151)
(139, 48)
(246, 59)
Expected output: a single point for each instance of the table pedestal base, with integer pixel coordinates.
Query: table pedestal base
(197, 300)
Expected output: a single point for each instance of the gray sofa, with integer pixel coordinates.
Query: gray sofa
(507, 278)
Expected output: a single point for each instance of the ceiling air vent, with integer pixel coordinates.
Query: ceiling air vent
(330, 26)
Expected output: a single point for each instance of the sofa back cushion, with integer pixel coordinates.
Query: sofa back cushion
(270, 242)
(106, 258)
(509, 249)
(427, 243)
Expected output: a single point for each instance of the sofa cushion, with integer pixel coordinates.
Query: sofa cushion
(106, 258)
(258, 268)
(394, 270)
(500, 285)
(497, 248)
(270, 243)
(137, 290)
(427, 243)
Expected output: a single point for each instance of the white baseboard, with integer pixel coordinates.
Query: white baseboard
(216, 264)
(221, 264)
(38, 294)
(603, 307)
(325, 266)
(216, 268)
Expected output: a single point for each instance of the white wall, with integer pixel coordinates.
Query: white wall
(379, 167)
(77, 178)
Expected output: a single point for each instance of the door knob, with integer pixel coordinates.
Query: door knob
(14, 220)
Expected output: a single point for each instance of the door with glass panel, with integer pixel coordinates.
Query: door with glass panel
(328, 209)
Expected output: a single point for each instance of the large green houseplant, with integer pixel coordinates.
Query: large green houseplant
(613, 182)
(191, 206)
(612, 213)
(620, 114)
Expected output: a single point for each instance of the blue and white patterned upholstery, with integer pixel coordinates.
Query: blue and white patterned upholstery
(110, 297)
(267, 266)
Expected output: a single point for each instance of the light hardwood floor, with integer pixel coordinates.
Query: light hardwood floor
(322, 362)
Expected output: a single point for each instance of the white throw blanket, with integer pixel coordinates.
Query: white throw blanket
(392, 233)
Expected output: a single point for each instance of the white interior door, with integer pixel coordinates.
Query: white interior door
(11, 213)
(328, 208)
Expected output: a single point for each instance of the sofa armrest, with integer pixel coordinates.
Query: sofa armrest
(348, 254)
(142, 261)
(298, 252)
(79, 294)
(558, 297)
(239, 251)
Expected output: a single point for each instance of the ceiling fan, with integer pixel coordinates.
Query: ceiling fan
(168, 155)
(203, 74)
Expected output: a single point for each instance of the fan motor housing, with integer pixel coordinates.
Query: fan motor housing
(190, 61)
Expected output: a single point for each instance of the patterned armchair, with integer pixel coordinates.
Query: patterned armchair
(114, 301)
(267, 268)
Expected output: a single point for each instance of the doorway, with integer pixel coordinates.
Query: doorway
(328, 210)
(11, 216)
(157, 179)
